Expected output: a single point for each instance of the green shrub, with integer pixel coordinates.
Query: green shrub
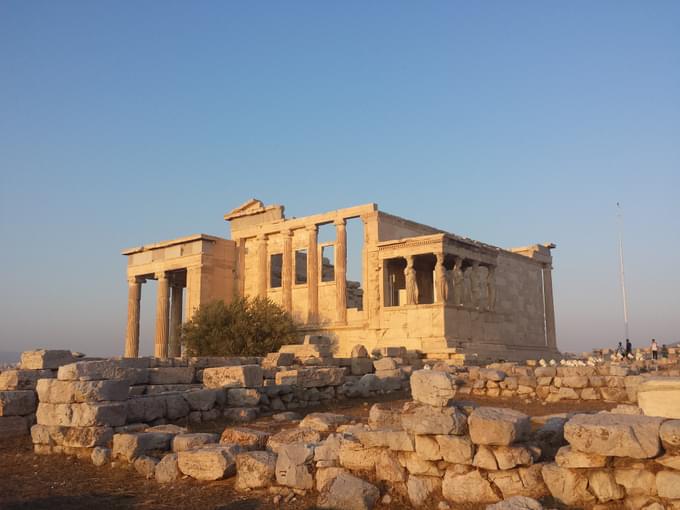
(245, 327)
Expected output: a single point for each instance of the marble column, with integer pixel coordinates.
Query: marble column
(312, 275)
(411, 284)
(287, 271)
(174, 349)
(341, 271)
(262, 275)
(551, 336)
(132, 333)
(162, 316)
(440, 282)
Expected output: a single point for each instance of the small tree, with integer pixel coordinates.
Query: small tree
(245, 327)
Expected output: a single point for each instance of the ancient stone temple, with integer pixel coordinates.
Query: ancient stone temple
(414, 286)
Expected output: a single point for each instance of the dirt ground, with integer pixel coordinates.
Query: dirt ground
(56, 482)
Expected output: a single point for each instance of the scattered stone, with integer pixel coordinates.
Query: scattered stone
(45, 358)
(516, 503)
(498, 426)
(432, 387)
(209, 462)
(131, 446)
(245, 376)
(167, 470)
(183, 442)
(566, 485)
(288, 436)
(248, 439)
(100, 456)
(287, 416)
(146, 466)
(291, 466)
(349, 493)
(471, 487)
(568, 457)
(324, 422)
(421, 488)
(255, 470)
(420, 418)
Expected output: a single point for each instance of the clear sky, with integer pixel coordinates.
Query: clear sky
(124, 123)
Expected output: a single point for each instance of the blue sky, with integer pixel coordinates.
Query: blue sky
(510, 122)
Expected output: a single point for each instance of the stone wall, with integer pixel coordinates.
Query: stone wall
(433, 451)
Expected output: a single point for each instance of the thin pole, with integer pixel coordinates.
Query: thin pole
(623, 274)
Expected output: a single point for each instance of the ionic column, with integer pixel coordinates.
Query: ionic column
(312, 275)
(174, 349)
(341, 271)
(411, 284)
(287, 271)
(132, 332)
(262, 265)
(440, 283)
(551, 335)
(162, 316)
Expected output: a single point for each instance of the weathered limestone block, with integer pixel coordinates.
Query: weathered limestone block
(468, 488)
(523, 481)
(566, 485)
(171, 375)
(289, 436)
(100, 456)
(167, 470)
(167, 428)
(516, 503)
(183, 442)
(17, 403)
(421, 488)
(427, 447)
(509, 457)
(255, 470)
(589, 394)
(668, 484)
(129, 446)
(65, 392)
(432, 387)
(660, 396)
(614, 435)
(146, 408)
(603, 485)
(498, 426)
(388, 468)
(397, 440)
(278, 359)
(145, 466)
(81, 437)
(212, 462)
(568, 457)
(382, 416)
(485, 459)
(45, 359)
(201, 400)
(545, 372)
(324, 422)
(240, 414)
(575, 381)
(419, 418)
(356, 457)
(489, 374)
(243, 397)
(384, 364)
(13, 426)
(614, 394)
(86, 414)
(349, 493)
(291, 466)
(329, 449)
(361, 366)
(670, 435)
(456, 449)
(246, 376)
(135, 370)
(636, 482)
(416, 465)
(22, 379)
(247, 439)
(317, 377)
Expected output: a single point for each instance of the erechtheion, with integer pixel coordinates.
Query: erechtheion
(421, 287)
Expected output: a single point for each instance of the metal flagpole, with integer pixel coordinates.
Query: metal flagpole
(623, 275)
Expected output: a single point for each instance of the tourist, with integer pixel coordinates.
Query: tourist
(655, 350)
(619, 351)
(664, 351)
(629, 348)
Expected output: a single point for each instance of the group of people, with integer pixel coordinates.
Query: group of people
(628, 351)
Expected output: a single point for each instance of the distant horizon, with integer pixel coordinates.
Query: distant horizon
(512, 124)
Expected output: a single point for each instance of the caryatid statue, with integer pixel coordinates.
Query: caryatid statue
(458, 279)
(441, 281)
(474, 284)
(411, 285)
(491, 288)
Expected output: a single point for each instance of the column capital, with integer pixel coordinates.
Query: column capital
(136, 279)
(261, 237)
(440, 257)
(287, 232)
(161, 275)
(341, 222)
(312, 228)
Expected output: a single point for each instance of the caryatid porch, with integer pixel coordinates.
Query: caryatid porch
(201, 264)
